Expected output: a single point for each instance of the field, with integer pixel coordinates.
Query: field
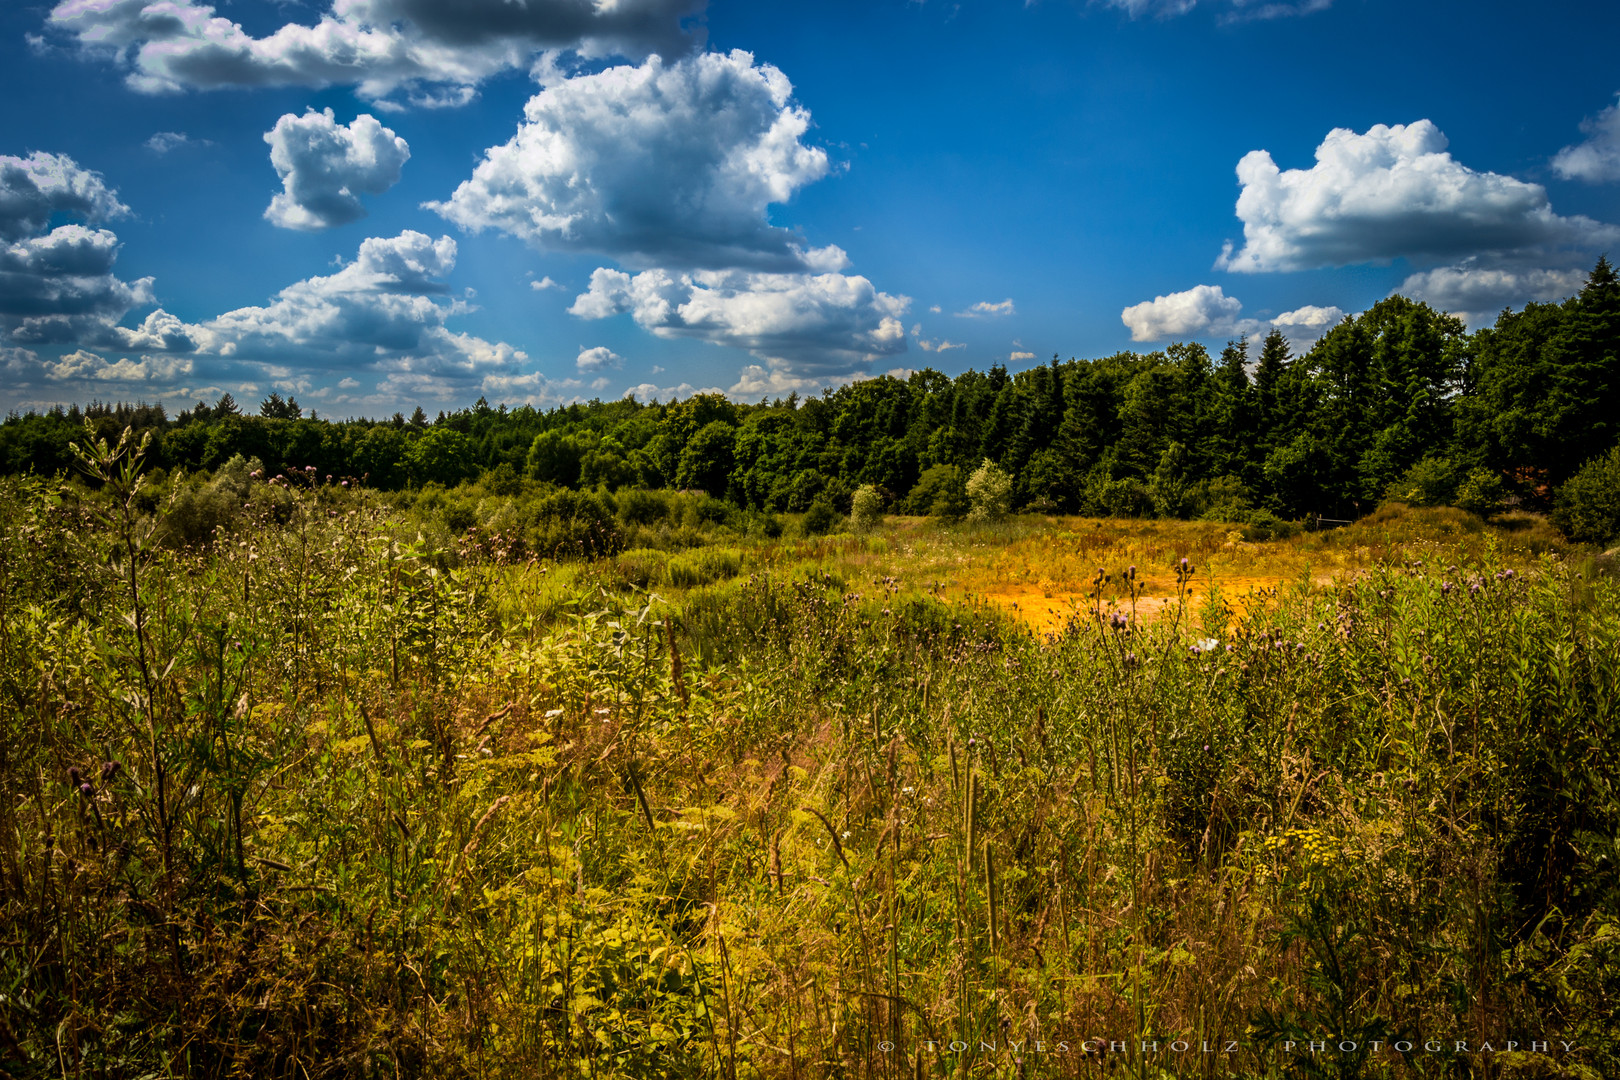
(338, 796)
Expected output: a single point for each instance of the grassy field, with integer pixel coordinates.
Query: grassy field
(329, 798)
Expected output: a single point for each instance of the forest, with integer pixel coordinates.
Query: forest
(1400, 401)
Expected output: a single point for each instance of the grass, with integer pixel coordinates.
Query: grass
(800, 808)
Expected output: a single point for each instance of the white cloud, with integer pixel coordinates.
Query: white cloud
(543, 284)
(325, 167)
(165, 141)
(34, 188)
(774, 378)
(1392, 192)
(434, 51)
(1305, 325)
(651, 392)
(383, 312)
(666, 164)
(1203, 309)
(88, 366)
(1598, 158)
(817, 323)
(600, 358)
(60, 287)
(939, 346)
(1021, 356)
(1478, 293)
(986, 309)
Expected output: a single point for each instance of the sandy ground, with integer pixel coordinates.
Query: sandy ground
(1046, 611)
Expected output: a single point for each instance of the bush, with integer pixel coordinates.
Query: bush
(865, 509)
(643, 507)
(819, 518)
(940, 491)
(1431, 482)
(1587, 507)
(1264, 525)
(199, 510)
(571, 523)
(1480, 493)
(989, 491)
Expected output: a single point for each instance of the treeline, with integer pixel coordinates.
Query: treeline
(1400, 401)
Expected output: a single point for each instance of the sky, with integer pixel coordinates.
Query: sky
(372, 205)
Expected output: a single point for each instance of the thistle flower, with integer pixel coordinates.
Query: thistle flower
(109, 769)
(73, 775)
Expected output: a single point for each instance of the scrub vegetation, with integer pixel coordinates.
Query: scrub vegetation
(304, 780)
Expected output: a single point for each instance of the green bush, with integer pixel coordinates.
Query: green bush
(1480, 493)
(820, 518)
(989, 491)
(865, 509)
(643, 507)
(941, 491)
(1431, 482)
(573, 524)
(1587, 507)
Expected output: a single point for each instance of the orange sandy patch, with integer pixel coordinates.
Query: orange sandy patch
(1047, 611)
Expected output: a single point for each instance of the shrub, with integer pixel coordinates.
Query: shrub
(1587, 507)
(1431, 482)
(1480, 493)
(819, 518)
(643, 507)
(1264, 525)
(989, 491)
(865, 509)
(940, 491)
(571, 523)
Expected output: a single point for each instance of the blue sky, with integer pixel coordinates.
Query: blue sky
(374, 204)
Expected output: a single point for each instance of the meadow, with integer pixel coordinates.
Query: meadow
(348, 791)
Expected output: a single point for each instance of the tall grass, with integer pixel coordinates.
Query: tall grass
(316, 801)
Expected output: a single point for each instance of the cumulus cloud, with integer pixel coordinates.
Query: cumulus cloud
(650, 392)
(39, 186)
(1598, 158)
(543, 284)
(88, 366)
(325, 167)
(1304, 325)
(1392, 192)
(1016, 355)
(1478, 292)
(986, 309)
(384, 312)
(670, 165)
(817, 324)
(61, 287)
(1205, 311)
(600, 358)
(436, 51)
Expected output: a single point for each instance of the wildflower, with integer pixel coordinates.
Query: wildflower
(73, 775)
(109, 769)
(87, 790)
